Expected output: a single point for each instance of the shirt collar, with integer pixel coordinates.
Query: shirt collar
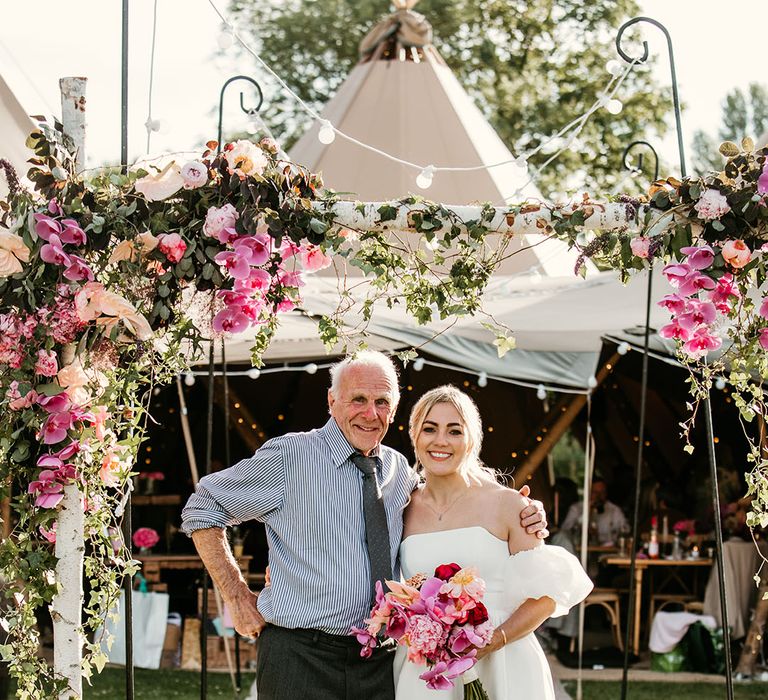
(341, 450)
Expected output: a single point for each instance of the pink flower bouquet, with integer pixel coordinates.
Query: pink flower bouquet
(441, 620)
(145, 537)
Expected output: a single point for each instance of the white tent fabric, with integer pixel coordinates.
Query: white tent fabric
(15, 126)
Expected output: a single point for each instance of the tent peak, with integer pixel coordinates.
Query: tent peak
(402, 35)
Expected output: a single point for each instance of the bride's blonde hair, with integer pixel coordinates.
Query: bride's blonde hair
(472, 467)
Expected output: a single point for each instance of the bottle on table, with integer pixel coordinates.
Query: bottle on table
(653, 544)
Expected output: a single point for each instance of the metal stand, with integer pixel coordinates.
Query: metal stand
(253, 110)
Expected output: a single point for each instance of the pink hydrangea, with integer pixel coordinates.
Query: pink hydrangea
(712, 205)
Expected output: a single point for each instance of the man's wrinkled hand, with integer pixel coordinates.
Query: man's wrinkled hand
(532, 517)
(245, 616)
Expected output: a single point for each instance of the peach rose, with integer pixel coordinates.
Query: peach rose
(736, 253)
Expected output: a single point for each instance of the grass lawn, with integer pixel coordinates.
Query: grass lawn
(163, 685)
(637, 690)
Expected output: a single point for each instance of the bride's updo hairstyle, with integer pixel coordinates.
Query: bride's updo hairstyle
(472, 468)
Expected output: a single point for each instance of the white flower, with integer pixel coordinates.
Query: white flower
(194, 174)
(245, 158)
(161, 185)
(712, 205)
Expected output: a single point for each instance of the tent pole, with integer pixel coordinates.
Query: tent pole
(204, 606)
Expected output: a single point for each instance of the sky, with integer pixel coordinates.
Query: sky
(83, 38)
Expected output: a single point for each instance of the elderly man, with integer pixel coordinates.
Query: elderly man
(332, 501)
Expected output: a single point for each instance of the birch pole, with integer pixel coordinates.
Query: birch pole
(66, 608)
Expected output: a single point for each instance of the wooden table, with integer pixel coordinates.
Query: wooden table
(640, 566)
(153, 564)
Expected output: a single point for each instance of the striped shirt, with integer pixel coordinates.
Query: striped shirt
(309, 495)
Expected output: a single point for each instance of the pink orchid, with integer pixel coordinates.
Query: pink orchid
(697, 313)
(676, 273)
(230, 321)
(699, 257)
(288, 249)
(257, 280)
(442, 674)
(762, 181)
(736, 253)
(313, 259)
(227, 235)
(291, 278)
(56, 403)
(53, 252)
(640, 246)
(463, 638)
(701, 342)
(675, 331)
(69, 451)
(285, 305)
(694, 282)
(45, 226)
(101, 416)
(721, 295)
(673, 303)
(236, 263)
(78, 270)
(72, 233)
(48, 489)
(365, 638)
(763, 338)
(49, 535)
(56, 426)
(259, 245)
(54, 207)
(172, 245)
(50, 462)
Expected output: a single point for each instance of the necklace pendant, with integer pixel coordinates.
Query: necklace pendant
(439, 516)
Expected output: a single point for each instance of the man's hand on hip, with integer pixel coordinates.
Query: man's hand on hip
(245, 616)
(532, 517)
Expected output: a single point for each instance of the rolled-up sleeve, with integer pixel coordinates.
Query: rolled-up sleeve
(249, 490)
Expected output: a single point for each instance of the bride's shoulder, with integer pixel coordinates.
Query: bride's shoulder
(506, 497)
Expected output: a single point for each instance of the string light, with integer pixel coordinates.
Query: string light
(424, 178)
(541, 392)
(720, 383)
(327, 133)
(253, 373)
(189, 379)
(623, 348)
(521, 162)
(226, 37)
(592, 382)
(614, 67)
(418, 364)
(311, 368)
(482, 380)
(613, 106)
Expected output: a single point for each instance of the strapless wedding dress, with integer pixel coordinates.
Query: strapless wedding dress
(519, 670)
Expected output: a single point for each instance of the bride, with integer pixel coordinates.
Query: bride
(462, 514)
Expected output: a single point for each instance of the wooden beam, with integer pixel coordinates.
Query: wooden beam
(561, 424)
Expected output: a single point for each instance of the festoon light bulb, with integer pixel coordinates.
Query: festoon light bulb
(189, 379)
(482, 380)
(327, 133)
(254, 373)
(541, 392)
(592, 382)
(614, 67)
(311, 368)
(418, 364)
(720, 383)
(623, 348)
(521, 162)
(424, 178)
(613, 106)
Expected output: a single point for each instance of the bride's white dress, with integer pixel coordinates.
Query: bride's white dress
(519, 670)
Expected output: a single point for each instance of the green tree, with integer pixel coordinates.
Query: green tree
(744, 113)
(532, 66)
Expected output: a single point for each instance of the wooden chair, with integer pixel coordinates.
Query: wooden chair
(610, 600)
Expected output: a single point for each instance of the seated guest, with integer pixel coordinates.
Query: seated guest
(606, 518)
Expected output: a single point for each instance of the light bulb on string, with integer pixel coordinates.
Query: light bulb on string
(521, 163)
(720, 383)
(254, 373)
(541, 392)
(158, 126)
(189, 379)
(623, 348)
(592, 382)
(311, 368)
(482, 380)
(156, 391)
(614, 67)
(424, 178)
(327, 133)
(226, 37)
(613, 106)
(418, 364)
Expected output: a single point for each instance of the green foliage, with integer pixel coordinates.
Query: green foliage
(530, 66)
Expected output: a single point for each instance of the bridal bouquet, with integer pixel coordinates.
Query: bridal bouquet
(440, 619)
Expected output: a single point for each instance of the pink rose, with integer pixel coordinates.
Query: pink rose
(172, 245)
(47, 364)
(736, 253)
(712, 205)
(216, 220)
(640, 246)
(194, 174)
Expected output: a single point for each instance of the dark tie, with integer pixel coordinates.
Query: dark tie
(376, 530)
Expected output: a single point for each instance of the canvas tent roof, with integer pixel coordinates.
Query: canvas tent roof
(15, 126)
(403, 99)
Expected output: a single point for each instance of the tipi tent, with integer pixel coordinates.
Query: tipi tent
(403, 99)
(15, 126)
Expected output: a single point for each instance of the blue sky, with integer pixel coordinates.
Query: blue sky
(82, 37)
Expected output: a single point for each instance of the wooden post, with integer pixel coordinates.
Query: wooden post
(66, 607)
(561, 424)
